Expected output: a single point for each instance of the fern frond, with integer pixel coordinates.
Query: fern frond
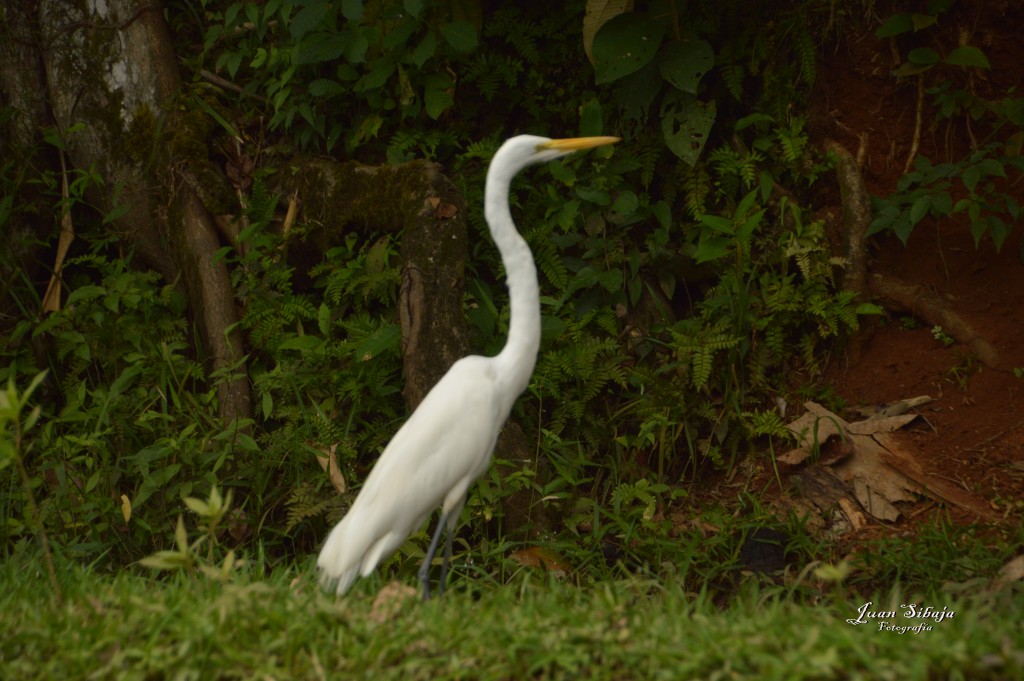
(305, 501)
(803, 45)
(792, 141)
(733, 75)
(697, 186)
(702, 365)
(548, 259)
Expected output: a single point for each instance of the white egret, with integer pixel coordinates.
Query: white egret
(447, 442)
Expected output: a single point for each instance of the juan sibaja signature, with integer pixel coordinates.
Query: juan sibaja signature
(886, 618)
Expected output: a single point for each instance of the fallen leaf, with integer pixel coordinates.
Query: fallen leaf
(881, 424)
(874, 502)
(329, 464)
(881, 472)
(813, 430)
(542, 557)
(126, 508)
(1013, 571)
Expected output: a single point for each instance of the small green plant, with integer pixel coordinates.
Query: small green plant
(14, 426)
(979, 178)
(939, 334)
(961, 372)
(909, 322)
(189, 556)
(928, 191)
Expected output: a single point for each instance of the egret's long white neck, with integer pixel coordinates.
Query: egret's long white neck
(519, 355)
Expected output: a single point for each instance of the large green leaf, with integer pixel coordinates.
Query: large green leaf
(624, 45)
(437, 96)
(308, 18)
(460, 35)
(965, 55)
(684, 64)
(685, 124)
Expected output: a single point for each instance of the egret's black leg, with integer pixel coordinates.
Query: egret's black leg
(424, 573)
(444, 563)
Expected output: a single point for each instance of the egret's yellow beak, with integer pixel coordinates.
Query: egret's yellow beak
(577, 143)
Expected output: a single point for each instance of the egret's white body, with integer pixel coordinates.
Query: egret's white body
(447, 442)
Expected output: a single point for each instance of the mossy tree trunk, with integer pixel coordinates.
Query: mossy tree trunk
(110, 66)
(417, 198)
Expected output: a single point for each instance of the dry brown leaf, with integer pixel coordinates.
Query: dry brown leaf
(873, 502)
(794, 456)
(877, 486)
(329, 464)
(881, 472)
(812, 431)
(292, 214)
(881, 424)
(51, 299)
(903, 406)
(539, 556)
(1013, 571)
(883, 485)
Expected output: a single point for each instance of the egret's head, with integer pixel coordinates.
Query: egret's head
(524, 150)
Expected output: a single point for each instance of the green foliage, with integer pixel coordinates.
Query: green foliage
(697, 395)
(921, 59)
(187, 556)
(622, 630)
(682, 279)
(928, 190)
(324, 362)
(983, 176)
(131, 421)
(939, 334)
(335, 72)
(962, 555)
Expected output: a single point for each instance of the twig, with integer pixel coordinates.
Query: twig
(213, 78)
(916, 142)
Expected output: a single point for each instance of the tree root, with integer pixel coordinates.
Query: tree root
(913, 298)
(856, 218)
(930, 307)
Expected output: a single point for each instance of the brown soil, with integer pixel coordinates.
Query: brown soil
(973, 434)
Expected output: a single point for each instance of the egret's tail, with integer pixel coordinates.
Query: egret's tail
(336, 567)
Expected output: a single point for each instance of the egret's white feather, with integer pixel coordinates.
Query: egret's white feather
(447, 442)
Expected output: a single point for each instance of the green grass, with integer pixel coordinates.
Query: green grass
(128, 626)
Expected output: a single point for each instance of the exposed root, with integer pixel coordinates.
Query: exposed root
(915, 143)
(927, 305)
(856, 218)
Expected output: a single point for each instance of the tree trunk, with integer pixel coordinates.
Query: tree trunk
(29, 216)
(111, 66)
(418, 198)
